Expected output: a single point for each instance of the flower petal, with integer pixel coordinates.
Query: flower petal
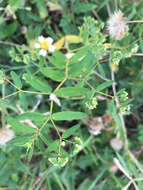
(49, 40)
(41, 39)
(37, 45)
(43, 52)
(69, 55)
(51, 48)
(117, 26)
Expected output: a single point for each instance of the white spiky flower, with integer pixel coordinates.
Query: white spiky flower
(5, 136)
(54, 98)
(116, 25)
(45, 44)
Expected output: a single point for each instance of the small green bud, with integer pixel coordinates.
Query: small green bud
(124, 96)
(26, 59)
(92, 103)
(134, 49)
(125, 109)
(78, 140)
(29, 145)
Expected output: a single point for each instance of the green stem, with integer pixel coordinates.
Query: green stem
(3, 107)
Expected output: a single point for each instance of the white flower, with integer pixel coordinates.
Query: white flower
(43, 52)
(117, 25)
(37, 45)
(45, 44)
(50, 40)
(5, 136)
(54, 98)
(41, 39)
(69, 55)
(51, 48)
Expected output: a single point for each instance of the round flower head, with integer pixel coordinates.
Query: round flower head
(45, 44)
(116, 25)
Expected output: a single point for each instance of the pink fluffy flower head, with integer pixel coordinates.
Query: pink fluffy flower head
(116, 25)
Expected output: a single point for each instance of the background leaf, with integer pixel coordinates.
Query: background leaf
(70, 131)
(71, 91)
(53, 74)
(16, 79)
(68, 115)
(20, 128)
(38, 83)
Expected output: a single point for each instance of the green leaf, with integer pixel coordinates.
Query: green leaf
(7, 30)
(67, 26)
(68, 115)
(21, 140)
(54, 146)
(82, 67)
(41, 6)
(40, 145)
(23, 101)
(83, 7)
(5, 102)
(70, 131)
(96, 180)
(46, 139)
(58, 59)
(101, 70)
(16, 79)
(38, 83)
(59, 161)
(104, 85)
(14, 4)
(53, 74)
(80, 54)
(27, 17)
(20, 127)
(103, 3)
(33, 116)
(85, 184)
(71, 91)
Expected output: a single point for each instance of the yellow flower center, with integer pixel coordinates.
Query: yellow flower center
(44, 45)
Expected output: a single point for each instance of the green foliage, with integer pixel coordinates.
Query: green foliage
(68, 115)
